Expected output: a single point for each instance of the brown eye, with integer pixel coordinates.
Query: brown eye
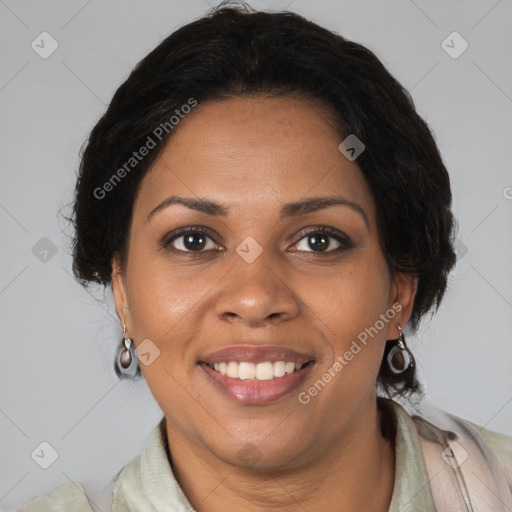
(324, 241)
(194, 241)
(190, 240)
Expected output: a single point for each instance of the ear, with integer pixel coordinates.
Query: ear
(403, 292)
(120, 293)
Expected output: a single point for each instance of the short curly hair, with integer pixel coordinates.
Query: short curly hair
(234, 51)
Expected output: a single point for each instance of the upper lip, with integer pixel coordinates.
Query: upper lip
(256, 354)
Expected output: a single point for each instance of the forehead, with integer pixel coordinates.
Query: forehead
(252, 152)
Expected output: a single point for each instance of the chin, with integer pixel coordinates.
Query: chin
(272, 447)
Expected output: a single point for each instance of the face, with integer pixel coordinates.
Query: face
(264, 309)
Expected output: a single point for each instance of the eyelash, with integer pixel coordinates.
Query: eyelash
(345, 241)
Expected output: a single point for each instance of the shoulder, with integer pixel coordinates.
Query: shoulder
(68, 496)
(501, 445)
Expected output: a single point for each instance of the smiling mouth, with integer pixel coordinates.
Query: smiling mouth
(256, 374)
(266, 370)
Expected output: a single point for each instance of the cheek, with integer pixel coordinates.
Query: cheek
(161, 294)
(161, 304)
(347, 307)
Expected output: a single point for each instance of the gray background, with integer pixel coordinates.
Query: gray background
(57, 345)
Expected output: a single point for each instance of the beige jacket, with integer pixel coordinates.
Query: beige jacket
(147, 484)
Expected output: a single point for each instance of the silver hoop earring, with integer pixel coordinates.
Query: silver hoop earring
(126, 355)
(399, 357)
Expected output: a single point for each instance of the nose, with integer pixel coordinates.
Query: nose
(256, 294)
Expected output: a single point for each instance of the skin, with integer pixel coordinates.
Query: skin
(253, 155)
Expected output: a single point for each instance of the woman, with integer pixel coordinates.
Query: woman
(272, 214)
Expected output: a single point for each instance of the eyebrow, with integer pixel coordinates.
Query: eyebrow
(293, 209)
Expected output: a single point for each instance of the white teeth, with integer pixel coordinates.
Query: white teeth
(232, 370)
(279, 368)
(260, 371)
(265, 371)
(246, 371)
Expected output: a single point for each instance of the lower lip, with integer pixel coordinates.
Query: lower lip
(255, 392)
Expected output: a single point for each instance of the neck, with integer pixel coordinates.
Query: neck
(353, 472)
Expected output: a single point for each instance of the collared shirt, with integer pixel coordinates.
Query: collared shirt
(147, 483)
